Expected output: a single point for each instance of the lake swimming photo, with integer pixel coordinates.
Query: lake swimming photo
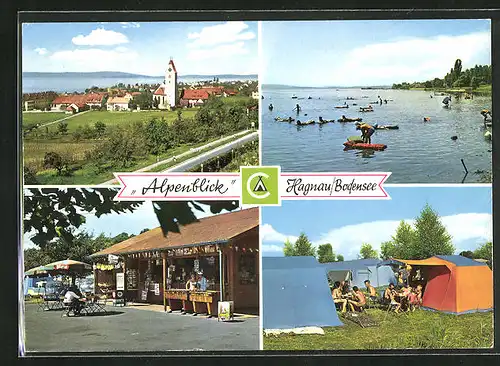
(411, 97)
(415, 273)
(99, 98)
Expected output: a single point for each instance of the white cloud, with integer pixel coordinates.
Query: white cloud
(228, 32)
(100, 37)
(93, 59)
(268, 233)
(271, 248)
(41, 51)
(221, 51)
(130, 25)
(121, 49)
(410, 59)
(347, 240)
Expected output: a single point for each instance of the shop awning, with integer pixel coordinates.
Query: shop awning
(213, 230)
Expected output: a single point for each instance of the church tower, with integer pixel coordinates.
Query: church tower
(171, 84)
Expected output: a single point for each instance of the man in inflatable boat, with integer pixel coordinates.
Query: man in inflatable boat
(366, 131)
(485, 114)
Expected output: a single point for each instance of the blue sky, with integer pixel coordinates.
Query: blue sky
(465, 211)
(204, 48)
(357, 53)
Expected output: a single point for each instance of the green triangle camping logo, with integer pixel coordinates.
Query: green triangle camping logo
(260, 186)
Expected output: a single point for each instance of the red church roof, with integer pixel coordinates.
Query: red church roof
(159, 91)
(196, 94)
(173, 65)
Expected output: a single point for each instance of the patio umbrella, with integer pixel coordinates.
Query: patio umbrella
(69, 265)
(37, 271)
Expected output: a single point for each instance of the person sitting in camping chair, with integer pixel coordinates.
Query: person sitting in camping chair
(415, 298)
(358, 300)
(337, 296)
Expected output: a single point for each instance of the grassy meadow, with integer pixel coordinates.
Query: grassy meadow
(418, 330)
(32, 118)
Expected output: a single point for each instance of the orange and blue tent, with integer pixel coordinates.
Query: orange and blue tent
(456, 284)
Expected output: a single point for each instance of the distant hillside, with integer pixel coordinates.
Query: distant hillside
(117, 74)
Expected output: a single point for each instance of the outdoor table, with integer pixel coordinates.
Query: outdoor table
(178, 299)
(208, 299)
(51, 303)
(93, 307)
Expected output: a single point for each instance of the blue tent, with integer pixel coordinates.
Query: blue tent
(361, 270)
(296, 294)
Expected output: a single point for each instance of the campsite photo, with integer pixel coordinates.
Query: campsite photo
(413, 272)
(105, 97)
(108, 276)
(411, 97)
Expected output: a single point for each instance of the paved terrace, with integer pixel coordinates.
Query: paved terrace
(136, 328)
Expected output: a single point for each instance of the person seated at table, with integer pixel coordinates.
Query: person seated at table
(372, 292)
(388, 292)
(359, 299)
(337, 296)
(344, 287)
(191, 283)
(72, 300)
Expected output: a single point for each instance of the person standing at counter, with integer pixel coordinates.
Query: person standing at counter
(202, 282)
(191, 283)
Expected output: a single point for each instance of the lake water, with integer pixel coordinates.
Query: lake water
(69, 84)
(419, 152)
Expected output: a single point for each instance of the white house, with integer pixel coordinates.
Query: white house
(255, 95)
(166, 94)
(118, 104)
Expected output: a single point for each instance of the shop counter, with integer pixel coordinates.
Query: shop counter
(178, 299)
(202, 300)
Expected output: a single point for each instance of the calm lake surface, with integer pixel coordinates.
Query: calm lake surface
(419, 152)
(69, 84)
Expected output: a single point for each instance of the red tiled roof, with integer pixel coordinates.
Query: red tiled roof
(159, 91)
(213, 89)
(173, 65)
(231, 92)
(79, 98)
(195, 94)
(211, 229)
(136, 93)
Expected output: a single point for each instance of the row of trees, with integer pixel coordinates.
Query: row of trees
(473, 77)
(79, 248)
(428, 237)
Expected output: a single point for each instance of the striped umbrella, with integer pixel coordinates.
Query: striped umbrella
(37, 271)
(68, 265)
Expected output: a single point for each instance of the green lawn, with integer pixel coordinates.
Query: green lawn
(32, 118)
(421, 329)
(117, 118)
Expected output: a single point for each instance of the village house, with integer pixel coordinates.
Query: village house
(76, 107)
(255, 95)
(90, 100)
(118, 104)
(166, 94)
(193, 97)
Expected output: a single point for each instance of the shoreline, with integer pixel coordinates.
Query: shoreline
(484, 90)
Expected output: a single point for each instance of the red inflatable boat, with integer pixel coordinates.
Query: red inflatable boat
(362, 146)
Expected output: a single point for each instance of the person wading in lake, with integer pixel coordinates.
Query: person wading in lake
(297, 107)
(271, 107)
(485, 114)
(366, 132)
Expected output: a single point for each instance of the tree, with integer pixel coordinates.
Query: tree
(431, 236)
(34, 257)
(53, 212)
(100, 128)
(474, 82)
(301, 247)
(325, 253)
(457, 69)
(485, 251)
(157, 136)
(53, 160)
(62, 128)
(367, 251)
(467, 254)
(340, 258)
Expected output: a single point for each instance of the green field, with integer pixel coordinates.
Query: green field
(32, 118)
(118, 118)
(418, 330)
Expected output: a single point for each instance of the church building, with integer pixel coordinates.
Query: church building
(166, 94)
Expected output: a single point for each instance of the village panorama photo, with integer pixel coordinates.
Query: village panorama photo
(98, 98)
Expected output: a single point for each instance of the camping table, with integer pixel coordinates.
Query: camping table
(178, 299)
(208, 299)
(51, 303)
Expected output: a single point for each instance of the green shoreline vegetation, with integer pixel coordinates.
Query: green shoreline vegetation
(475, 80)
(88, 148)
